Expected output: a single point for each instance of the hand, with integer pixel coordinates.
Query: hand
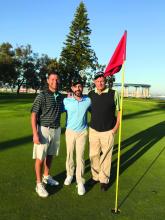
(113, 132)
(69, 95)
(36, 139)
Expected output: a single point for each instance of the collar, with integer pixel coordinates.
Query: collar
(82, 99)
(104, 91)
(53, 93)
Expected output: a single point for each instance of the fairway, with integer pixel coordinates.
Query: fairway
(141, 181)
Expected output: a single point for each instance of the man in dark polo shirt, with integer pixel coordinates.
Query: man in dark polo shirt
(103, 126)
(45, 120)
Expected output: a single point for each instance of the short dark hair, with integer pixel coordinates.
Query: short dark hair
(53, 73)
(77, 80)
(99, 74)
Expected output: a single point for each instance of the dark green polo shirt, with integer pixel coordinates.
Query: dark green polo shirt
(48, 106)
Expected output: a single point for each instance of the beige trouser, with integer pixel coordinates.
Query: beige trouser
(75, 140)
(101, 147)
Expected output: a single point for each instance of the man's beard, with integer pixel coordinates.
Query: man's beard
(78, 93)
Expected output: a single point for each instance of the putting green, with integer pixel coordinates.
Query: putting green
(141, 181)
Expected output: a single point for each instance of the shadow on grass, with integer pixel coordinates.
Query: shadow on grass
(149, 167)
(60, 178)
(15, 142)
(19, 141)
(142, 142)
(54, 189)
(160, 107)
(6, 98)
(22, 98)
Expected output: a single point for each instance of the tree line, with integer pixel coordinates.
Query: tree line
(21, 66)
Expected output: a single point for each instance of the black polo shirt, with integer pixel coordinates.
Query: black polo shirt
(48, 106)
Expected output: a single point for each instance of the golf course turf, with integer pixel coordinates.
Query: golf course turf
(141, 180)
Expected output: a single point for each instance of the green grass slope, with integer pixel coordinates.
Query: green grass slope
(141, 182)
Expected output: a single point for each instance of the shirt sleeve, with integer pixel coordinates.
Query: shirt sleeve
(37, 105)
(62, 103)
(117, 100)
(65, 104)
(89, 102)
(89, 94)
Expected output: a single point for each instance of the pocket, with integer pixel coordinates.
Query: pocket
(112, 133)
(37, 145)
(66, 131)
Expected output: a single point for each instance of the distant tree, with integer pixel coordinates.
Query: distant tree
(90, 75)
(53, 65)
(110, 80)
(25, 65)
(42, 66)
(21, 67)
(8, 73)
(77, 54)
(33, 81)
(30, 74)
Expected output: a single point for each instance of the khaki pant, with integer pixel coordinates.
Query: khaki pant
(75, 140)
(101, 147)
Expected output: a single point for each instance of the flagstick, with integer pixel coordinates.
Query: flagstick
(116, 210)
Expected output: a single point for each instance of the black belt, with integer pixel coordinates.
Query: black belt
(49, 127)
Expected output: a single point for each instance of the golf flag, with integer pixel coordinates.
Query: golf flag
(117, 62)
(118, 57)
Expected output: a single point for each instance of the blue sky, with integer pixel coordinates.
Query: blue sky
(45, 23)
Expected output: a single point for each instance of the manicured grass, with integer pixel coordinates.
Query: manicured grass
(141, 183)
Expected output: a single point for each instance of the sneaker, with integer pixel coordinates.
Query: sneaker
(49, 180)
(68, 180)
(81, 189)
(41, 191)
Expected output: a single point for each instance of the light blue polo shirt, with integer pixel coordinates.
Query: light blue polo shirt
(76, 113)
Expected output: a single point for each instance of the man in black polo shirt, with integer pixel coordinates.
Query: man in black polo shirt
(103, 126)
(45, 120)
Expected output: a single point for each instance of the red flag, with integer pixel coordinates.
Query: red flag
(118, 57)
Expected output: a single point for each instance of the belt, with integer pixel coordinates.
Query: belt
(49, 127)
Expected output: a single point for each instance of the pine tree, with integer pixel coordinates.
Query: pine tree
(77, 54)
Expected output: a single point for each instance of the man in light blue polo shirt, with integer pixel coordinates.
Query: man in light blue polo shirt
(76, 133)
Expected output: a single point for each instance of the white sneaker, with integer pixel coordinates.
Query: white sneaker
(68, 180)
(41, 191)
(81, 189)
(49, 180)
